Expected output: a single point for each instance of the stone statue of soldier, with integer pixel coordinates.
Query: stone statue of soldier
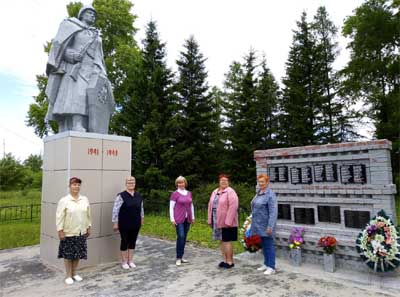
(79, 92)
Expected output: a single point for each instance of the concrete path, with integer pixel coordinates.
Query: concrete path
(22, 274)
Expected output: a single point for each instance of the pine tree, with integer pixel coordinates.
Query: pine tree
(194, 125)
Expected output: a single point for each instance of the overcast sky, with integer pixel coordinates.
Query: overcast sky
(224, 29)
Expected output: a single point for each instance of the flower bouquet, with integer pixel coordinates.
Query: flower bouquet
(295, 241)
(328, 244)
(251, 243)
(296, 238)
(379, 244)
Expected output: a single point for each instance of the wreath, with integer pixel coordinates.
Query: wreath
(251, 243)
(379, 244)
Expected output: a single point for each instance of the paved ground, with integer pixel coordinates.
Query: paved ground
(22, 274)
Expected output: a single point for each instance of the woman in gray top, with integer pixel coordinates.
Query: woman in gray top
(264, 210)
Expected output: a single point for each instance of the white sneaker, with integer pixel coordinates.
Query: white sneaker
(69, 281)
(184, 261)
(132, 265)
(125, 266)
(77, 278)
(262, 268)
(269, 271)
(178, 262)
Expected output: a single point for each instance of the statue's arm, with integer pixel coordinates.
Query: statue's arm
(71, 55)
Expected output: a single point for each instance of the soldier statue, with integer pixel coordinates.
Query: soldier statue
(79, 92)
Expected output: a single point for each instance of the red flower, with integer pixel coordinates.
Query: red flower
(328, 243)
(253, 243)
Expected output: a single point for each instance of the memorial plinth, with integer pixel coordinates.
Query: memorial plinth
(102, 162)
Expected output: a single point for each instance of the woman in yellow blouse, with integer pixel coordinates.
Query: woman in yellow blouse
(73, 227)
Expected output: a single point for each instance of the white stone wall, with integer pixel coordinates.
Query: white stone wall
(376, 194)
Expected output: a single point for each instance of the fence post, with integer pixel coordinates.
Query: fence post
(31, 211)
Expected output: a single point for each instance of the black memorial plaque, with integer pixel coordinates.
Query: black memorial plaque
(304, 216)
(284, 212)
(330, 173)
(283, 175)
(325, 173)
(353, 174)
(273, 174)
(319, 174)
(359, 174)
(329, 214)
(305, 175)
(356, 219)
(295, 175)
(346, 174)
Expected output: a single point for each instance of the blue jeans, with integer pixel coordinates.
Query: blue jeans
(268, 249)
(182, 230)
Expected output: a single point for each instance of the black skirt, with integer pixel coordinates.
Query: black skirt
(229, 234)
(73, 248)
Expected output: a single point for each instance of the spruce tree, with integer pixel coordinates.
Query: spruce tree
(266, 111)
(334, 122)
(152, 101)
(250, 105)
(193, 150)
(299, 104)
(240, 106)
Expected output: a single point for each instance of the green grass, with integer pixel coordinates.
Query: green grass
(23, 233)
(8, 198)
(19, 233)
(199, 234)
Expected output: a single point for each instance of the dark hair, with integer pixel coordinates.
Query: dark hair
(222, 175)
(75, 180)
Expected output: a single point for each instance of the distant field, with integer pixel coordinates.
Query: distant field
(9, 198)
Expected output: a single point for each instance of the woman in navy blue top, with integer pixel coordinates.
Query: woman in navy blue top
(127, 218)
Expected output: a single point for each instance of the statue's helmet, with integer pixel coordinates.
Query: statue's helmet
(84, 8)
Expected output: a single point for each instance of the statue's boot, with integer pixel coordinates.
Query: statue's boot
(77, 123)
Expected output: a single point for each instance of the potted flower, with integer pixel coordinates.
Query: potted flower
(296, 240)
(328, 244)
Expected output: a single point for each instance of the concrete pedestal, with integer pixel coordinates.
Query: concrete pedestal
(102, 162)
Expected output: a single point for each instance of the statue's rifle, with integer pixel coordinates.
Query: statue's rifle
(77, 67)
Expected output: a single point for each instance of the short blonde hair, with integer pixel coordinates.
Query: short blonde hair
(180, 179)
(129, 178)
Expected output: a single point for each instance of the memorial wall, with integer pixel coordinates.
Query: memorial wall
(332, 189)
